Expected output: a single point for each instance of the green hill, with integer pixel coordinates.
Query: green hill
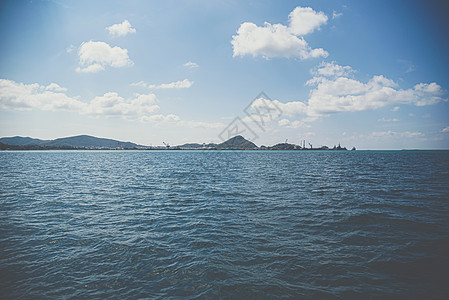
(75, 142)
(86, 141)
(237, 143)
(21, 141)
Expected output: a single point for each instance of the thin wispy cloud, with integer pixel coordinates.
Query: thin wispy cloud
(406, 134)
(408, 66)
(336, 15)
(191, 65)
(388, 120)
(180, 84)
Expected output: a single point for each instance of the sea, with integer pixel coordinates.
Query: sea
(224, 224)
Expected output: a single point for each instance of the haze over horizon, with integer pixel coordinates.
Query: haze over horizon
(367, 74)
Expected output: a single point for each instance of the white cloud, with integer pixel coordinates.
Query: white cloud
(304, 20)
(180, 84)
(70, 49)
(335, 92)
(191, 65)
(19, 96)
(396, 108)
(94, 56)
(111, 104)
(388, 120)
(406, 134)
(336, 15)
(283, 122)
(140, 83)
(55, 87)
(445, 129)
(121, 29)
(292, 108)
(277, 40)
(332, 70)
(161, 118)
(292, 124)
(173, 85)
(90, 69)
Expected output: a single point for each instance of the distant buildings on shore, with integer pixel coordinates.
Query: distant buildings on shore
(85, 142)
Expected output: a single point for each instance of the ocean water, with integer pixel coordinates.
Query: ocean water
(224, 224)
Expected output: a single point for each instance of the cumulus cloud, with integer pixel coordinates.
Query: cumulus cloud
(331, 70)
(90, 69)
(304, 20)
(191, 65)
(333, 91)
(292, 108)
(336, 92)
(94, 56)
(121, 29)
(445, 129)
(180, 84)
(263, 111)
(55, 87)
(111, 104)
(278, 40)
(19, 96)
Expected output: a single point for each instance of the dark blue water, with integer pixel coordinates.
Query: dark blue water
(244, 225)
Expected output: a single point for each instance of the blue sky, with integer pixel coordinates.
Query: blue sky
(369, 74)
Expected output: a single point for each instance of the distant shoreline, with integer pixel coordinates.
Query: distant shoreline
(210, 150)
(18, 148)
(86, 142)
(91, 143)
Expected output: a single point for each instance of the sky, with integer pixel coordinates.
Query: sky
(369, 74)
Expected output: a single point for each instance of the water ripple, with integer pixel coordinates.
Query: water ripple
(256, 225)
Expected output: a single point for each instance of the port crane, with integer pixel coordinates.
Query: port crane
(310, 145)
(166, 145)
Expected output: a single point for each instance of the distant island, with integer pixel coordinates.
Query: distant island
(86, 142)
